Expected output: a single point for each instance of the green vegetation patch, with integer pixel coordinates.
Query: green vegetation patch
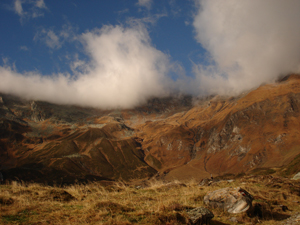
(21, 217)
(293, 167)
(113, 207)
(262, 171)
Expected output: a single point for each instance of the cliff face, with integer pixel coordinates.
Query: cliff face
(173, 137)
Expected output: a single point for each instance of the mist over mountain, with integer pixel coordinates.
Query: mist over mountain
(169, 138)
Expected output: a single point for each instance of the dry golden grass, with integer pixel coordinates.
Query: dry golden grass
(154, 202)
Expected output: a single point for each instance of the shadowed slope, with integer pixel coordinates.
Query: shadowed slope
(216, 135)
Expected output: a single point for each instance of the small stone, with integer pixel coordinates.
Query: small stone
(233, 219)
(199, 216)
(296, 177)
(205, 182)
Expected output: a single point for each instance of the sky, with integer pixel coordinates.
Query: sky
(118, 54)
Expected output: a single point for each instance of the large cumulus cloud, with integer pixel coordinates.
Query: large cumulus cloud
(124, 70)
(249, 41)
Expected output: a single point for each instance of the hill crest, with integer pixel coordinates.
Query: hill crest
(171, 138)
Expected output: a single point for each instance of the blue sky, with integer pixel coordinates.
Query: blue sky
(33, 39)
(120, 53)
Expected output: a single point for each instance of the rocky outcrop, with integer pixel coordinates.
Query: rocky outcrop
(199, 216)
(232, 200)
(37, 114)
(297, 176)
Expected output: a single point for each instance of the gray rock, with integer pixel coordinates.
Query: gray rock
(232, 200)
(293, 220)
(199, 216)
(296, 177)
(233, 219)
(205, 182)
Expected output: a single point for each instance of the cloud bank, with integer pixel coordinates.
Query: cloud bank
(250, 42)
(124, 70)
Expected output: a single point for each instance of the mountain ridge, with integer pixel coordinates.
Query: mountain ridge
(170, 138)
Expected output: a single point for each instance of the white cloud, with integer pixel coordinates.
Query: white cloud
(124, 11)
(55, 40)
(67, 31)
(35, 8)
(40, 4)
(145, 3)
(49, 38)
(52, 40)
(174, 8)
(250, 41)
(18, 7)
(5, 60)
(124, 70)
(24, 48)
(151, 19)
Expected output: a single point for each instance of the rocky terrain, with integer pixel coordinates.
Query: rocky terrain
(171, 138)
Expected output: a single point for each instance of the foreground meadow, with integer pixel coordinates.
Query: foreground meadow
(150, 202)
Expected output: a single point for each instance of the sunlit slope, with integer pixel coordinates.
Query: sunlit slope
(230, 135)
(175, 137)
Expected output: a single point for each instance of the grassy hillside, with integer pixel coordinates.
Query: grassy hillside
(150, 202)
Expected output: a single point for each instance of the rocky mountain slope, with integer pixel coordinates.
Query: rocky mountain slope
(171, 138)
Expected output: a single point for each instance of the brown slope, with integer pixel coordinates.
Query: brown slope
(260, 129)
(64, 144)
(218, 135)
(91, 152)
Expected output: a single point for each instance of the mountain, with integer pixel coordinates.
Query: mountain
(170, 138)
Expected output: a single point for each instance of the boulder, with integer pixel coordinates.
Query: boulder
(232, 200)
(296, 177)
(205, 182)
(199, 216)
